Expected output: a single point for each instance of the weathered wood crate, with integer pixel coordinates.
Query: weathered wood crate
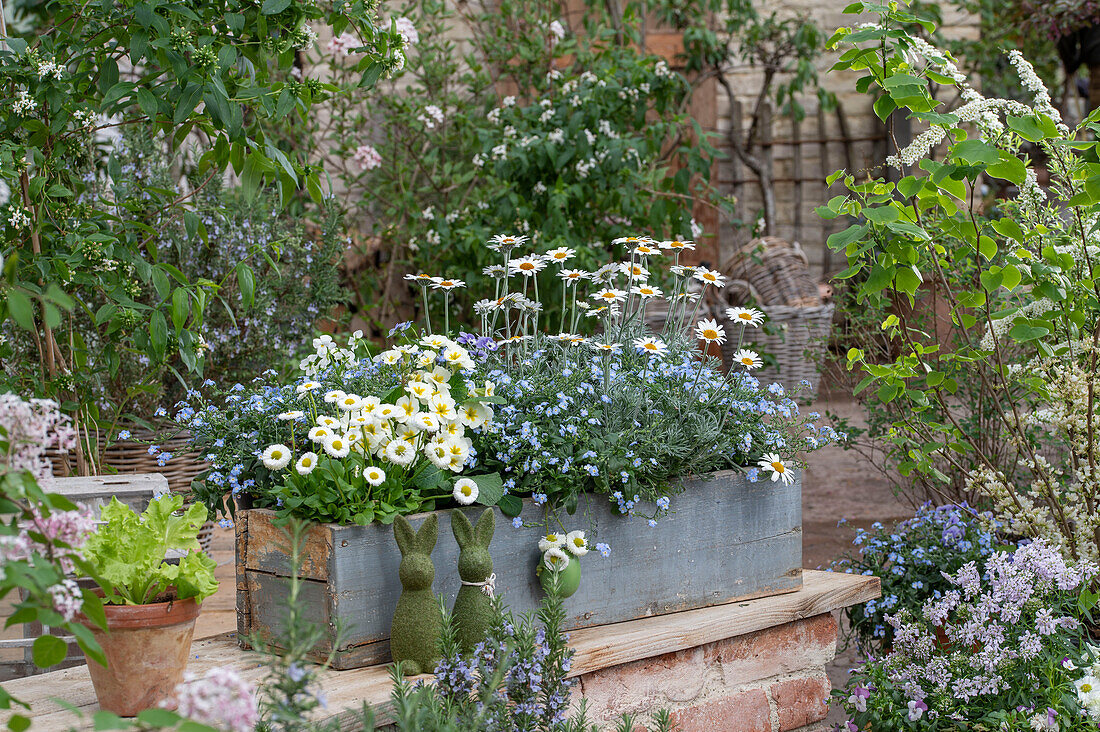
(726, 539)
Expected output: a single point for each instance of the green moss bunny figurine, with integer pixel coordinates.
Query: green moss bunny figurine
(417, 625)
(473, 608)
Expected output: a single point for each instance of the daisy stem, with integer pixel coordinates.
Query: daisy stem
(561, 326)
(699, 304)
(427, 315)
(447, 312)
(535, 282)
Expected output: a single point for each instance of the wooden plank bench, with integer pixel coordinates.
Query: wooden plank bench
(596, 648)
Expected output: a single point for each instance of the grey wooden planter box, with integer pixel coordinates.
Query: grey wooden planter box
(726, 539)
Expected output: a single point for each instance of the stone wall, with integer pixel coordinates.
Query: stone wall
(772, 680)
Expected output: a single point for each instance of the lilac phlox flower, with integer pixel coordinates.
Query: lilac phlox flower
(219, 699)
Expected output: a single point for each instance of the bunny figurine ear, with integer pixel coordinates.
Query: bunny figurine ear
(403, 534)
(428, 533)
(486, 525)
(463, 530)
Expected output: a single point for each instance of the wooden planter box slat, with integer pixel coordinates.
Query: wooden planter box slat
(726, 539)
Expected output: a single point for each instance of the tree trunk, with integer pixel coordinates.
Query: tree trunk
(1094, 86)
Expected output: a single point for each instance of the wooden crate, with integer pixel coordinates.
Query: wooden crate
(726, 539)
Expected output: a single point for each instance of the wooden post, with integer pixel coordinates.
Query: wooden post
(796, 170)
(826, 171)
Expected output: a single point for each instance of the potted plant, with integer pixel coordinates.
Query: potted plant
(150, 601)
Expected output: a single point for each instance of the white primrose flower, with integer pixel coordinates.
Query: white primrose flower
(437, 342)
(338, 446)
(745, 316)
(459, 357)
(551, 541)
(276, 457)
(576, 543)
(420, 390)
(426, 358)
(407, 407)
(555, 559)
(465, 491)
(306, 463)
(440, 375)
(774, 463)
(374, 475)
(389, 357)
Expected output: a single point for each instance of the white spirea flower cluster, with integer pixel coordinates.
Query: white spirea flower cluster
(329, 354)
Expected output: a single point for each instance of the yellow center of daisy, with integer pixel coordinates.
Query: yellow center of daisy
(277, 454)
(527, 265)
(709, 277)
(710, 334)
(307, 461)
(747, 361)
(1086, 687)
(578, 542)
(745, 316)
(650, 346)
(559, 255)
(465, 490)
(778, 467)
(608, 296)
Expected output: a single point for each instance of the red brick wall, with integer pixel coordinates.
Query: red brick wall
(772, 680)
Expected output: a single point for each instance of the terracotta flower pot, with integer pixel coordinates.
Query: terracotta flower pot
(147, 647)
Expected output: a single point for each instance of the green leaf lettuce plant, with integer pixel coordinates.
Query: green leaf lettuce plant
(127, 554)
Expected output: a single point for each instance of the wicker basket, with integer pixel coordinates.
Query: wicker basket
(797, 343)
(778, 270)
(132, 456)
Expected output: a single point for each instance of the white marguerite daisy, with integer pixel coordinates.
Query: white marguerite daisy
(496, 271)
(374, 475)
(447, 284)
(646, 249)
(651, 346)
(551, 541)
(308, 386)
(555, 559)
(560, 255)
(774, 463)
(635, 271)
(338, 446)
(465, 491)
(386, 411)
(610, 295)
(708, 330)
(745, 316)
(710, 276)
(681, 245)
(576, 543)
(505, 243)
(632, 241)
(647, 291)
(527, 266)
(573, 276)
(291, 415)
(276, 457)
(326, 421)
(306, 463)
(749, 359)
(607, 273)
(334, 396)
(422, 278)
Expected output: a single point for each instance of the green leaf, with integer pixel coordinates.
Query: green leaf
(1025, 330)
(18, 723)
(48, 650)
(158, 717)
(271, 7)
(247, 284)
(21, 309)
(180, 306)
(976, 151)
(511, 506)
(1026, 127)
(147, 102)
(158, 333)
(842, 239)
(490, 488)
(884, 106)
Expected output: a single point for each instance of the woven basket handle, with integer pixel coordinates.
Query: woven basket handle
(747, 287)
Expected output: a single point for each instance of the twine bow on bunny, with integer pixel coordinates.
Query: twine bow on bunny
(489, 586)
